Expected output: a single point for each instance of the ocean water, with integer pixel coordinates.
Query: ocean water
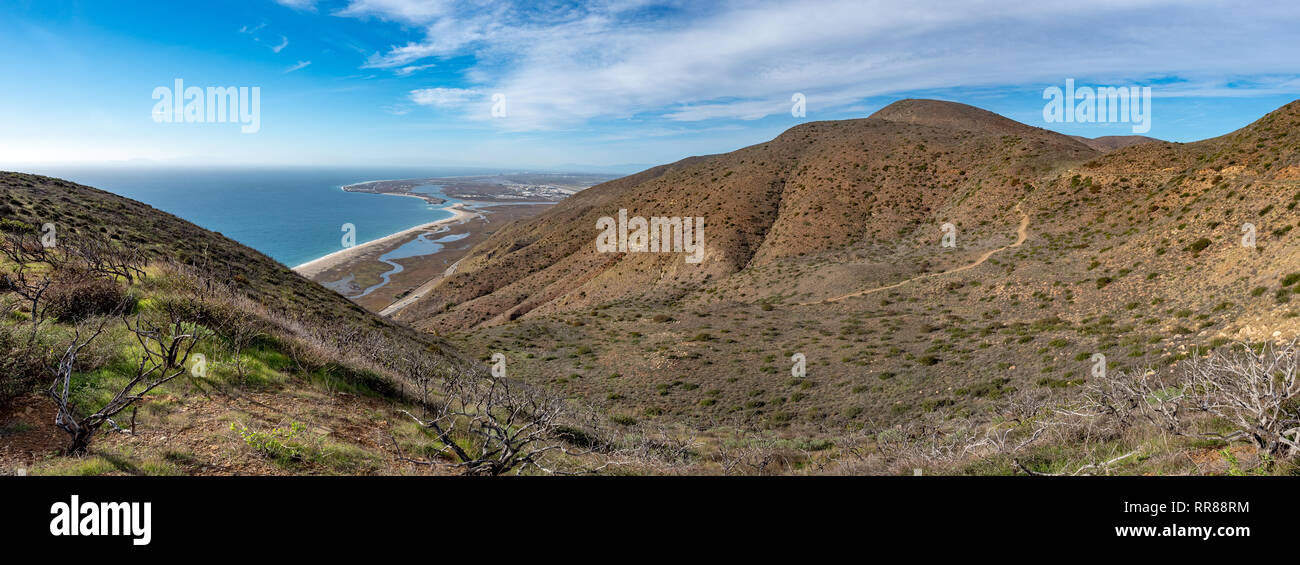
(293, 215)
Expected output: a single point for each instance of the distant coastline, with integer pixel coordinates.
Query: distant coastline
(249, 204)
(467, 192)
(394, 187)
(364, 275)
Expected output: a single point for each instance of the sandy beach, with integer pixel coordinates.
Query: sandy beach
(352, 271)
(343, 256)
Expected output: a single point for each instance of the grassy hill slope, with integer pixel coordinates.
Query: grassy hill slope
(271, 373)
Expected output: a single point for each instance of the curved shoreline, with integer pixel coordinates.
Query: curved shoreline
(321, 264)
(400, 191)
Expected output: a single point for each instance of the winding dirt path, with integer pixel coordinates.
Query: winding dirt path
(1022, 233)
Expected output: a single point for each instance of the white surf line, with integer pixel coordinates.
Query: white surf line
(345, 187)
(322, 264)
(1022, 233)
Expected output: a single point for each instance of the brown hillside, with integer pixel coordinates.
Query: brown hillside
(825, 241)
(1107, 143)
(818, 187)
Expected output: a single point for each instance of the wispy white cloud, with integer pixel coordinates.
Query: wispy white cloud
(444, 97)
(254, 31)
(1258, 86)
(406, 11)
(397, 109)
(298, 66)
(298, 4)
(411, 69)
(695, 62)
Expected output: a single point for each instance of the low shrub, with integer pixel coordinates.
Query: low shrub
(73, 301)
(22, 368)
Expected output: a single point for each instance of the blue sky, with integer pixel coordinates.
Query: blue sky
(614, 82)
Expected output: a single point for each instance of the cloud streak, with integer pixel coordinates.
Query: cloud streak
(689, 62)
(305, 5)
(444, 97)
(411, 69)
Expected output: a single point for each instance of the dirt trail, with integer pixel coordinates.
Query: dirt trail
(1022, 233)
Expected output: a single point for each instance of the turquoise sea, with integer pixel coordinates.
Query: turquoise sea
(293, 215)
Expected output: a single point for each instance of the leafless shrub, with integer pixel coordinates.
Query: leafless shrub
(927, 440)
(1113, 405)
(240, 323)
(165, 346)
(22, 364)
(511, 426)
(857, 444)
(1023, 419)
(1008, 438)
(656, 445)
(1256, 389)
(76, 278)
(757, 455)
(1102, 467)
(30, 271)
(425, 371)
(24, 246)
(100, 256)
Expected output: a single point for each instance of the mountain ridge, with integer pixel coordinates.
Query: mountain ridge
(777, 187)
(1134, 253)
(828, 319)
